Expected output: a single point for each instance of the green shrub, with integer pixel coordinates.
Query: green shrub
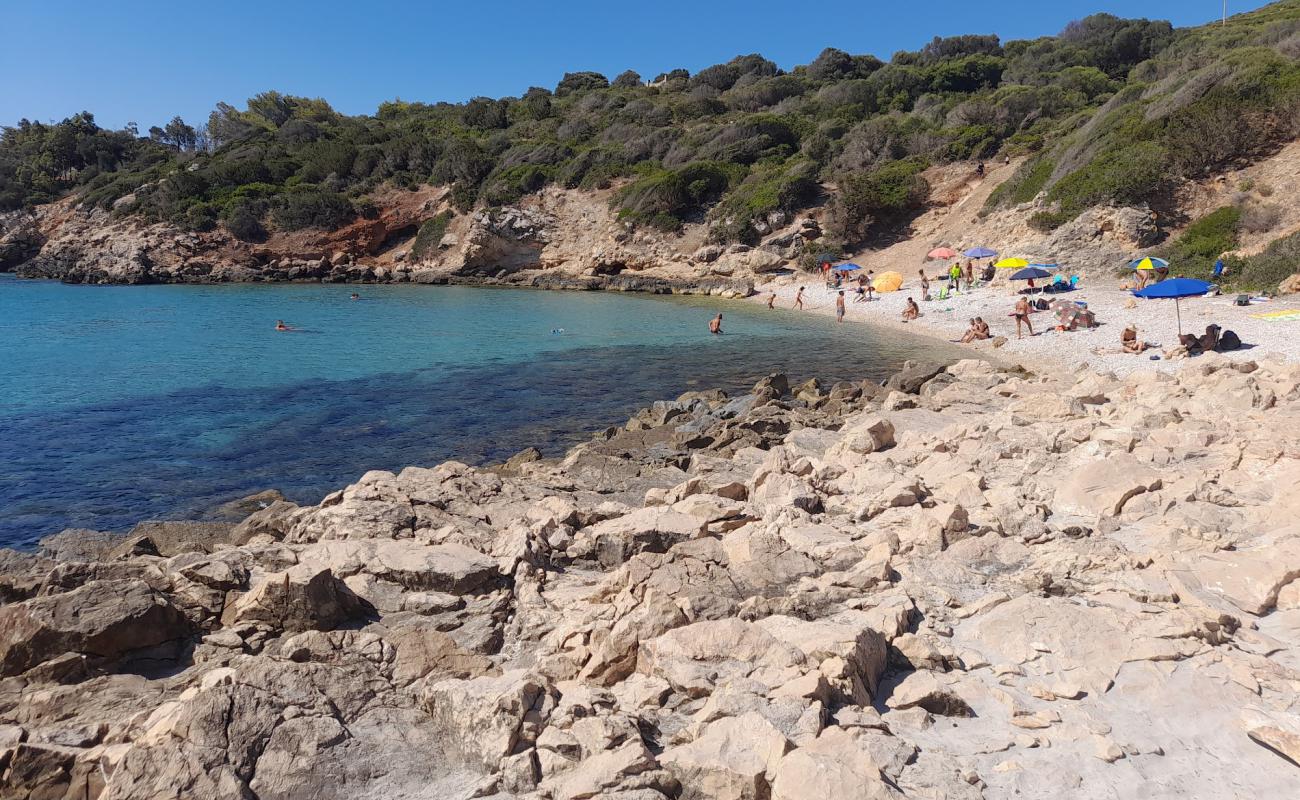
(1047, 221)
(244, 224)
(430, 234)
(1266, 270)
(880, 195)
(661, 194)
(311, 209)
(774, 188)
(1024, 185)
(1194, 252)
(201, 217)
(1127, 175)
(509, 185)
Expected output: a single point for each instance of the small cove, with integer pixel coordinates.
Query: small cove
(125, 403)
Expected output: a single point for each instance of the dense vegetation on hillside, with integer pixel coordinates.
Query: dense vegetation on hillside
(1108, 110)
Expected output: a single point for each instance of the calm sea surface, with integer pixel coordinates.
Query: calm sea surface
(124, 403)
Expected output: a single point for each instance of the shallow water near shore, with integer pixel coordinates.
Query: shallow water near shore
(125, 403)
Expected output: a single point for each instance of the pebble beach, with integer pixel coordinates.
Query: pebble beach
(1097, 349)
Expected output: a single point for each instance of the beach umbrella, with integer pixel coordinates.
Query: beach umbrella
(980, 252)
(888, 282)
(1046, 266)
(942, 253)
(1029, 273)
(1067, 313)
(1177, 289)
(1012, 263)
(846, 268)
(1149, 263)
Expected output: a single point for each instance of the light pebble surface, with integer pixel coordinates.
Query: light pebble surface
(1096, 349)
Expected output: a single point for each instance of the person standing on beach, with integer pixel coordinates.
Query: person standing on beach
(925, 286)
(798, 299)
(715, 325)
(954, 277)
(1022, 315)
(839, 307)
(871, 285)
(771, 301)
(970, 275)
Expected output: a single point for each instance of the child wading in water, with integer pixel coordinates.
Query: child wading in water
(798, 298)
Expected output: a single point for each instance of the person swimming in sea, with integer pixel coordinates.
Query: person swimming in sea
(355, 296)
(715, 325)
(280, 326)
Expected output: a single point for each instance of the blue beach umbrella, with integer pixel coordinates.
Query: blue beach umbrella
(1030, 272)
(980, 252)
(847, 268)
(1175, 288)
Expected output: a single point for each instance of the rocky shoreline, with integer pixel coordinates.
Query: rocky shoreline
(972, 582)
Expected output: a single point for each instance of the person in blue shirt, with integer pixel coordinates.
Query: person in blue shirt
(1219, 267)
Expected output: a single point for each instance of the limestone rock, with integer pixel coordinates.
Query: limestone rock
(733, 759)
(1102, 487)
(102, 620)
(489, 718)
(922, 689)
(834, 765)
(298, 599)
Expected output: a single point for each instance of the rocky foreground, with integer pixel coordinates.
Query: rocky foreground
(971, 583)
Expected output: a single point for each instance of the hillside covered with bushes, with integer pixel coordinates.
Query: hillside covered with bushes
(1108, 111)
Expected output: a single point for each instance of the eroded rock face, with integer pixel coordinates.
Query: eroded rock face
(998, 585)
(102, 620)
(299, 599)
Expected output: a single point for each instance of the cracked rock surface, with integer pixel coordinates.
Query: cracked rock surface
(975, 583)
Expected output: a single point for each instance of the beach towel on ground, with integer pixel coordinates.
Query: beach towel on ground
(1278, 316)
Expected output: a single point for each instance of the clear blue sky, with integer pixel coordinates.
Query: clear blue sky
(144, 61)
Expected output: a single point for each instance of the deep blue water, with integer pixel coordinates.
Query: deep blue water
(124, 403)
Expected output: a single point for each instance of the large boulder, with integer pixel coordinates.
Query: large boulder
(851, 652)
(102, 620)
(299, 599)
(1100, 488)
(452, 568)
(168, 538)
(695, 658)
(835, 766)
(488, 718)
(912, 376)
(651, 529)
(735, 758)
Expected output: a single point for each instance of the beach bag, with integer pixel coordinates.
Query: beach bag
(1243, 299)
(1229, 340)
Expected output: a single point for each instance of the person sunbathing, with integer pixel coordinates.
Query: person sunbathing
(912, 311)
(1210, 341)
(979, 329)
(1128, 339)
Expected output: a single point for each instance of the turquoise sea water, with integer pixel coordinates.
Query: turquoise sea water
(124, 403)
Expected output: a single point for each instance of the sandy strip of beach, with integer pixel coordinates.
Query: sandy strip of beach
(1096, 349)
